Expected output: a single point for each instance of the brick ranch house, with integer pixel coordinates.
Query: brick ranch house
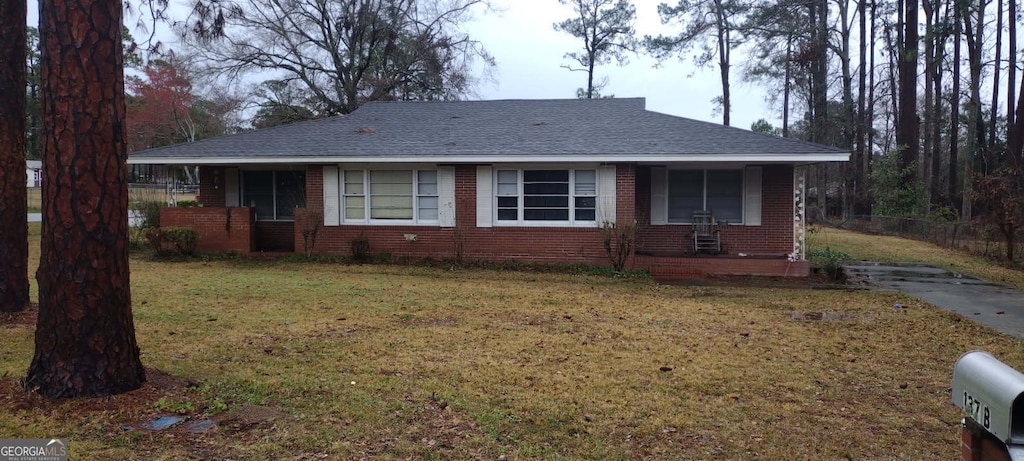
(524, 180)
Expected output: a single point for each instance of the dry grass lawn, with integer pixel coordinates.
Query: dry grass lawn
(379, 362)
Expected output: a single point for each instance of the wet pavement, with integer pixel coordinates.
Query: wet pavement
(985, 302)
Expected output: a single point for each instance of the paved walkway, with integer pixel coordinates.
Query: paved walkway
(985, 302)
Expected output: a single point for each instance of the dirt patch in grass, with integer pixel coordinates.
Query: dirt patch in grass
(25, 317)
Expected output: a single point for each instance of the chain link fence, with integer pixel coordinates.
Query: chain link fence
(976, 238)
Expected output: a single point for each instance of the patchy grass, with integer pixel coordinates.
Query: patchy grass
(327, 361)
(889, 248)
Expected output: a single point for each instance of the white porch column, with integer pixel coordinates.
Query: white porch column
(799, 214)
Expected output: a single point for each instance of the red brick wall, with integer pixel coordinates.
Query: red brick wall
(774, 235)
(220, 229)
(527, 244)
(547, 244)
(211, 186)
(977, 444)
(274, 236)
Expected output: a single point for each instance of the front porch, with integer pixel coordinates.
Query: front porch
(669, 266)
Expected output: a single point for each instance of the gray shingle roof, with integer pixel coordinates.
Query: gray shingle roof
(457, 131)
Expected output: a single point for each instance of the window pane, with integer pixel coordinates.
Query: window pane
(391, 194)
(508, 182)
(508, 202)
(685, 194)
(507, 189)
(545, 214)
(546, 201)
(258, 193)
(546, 188)
(428, 208)
(353, 182)
(546, 176)
(725, 195)
(390, 207)
(586, 214)
(586, 202)
(508, 214)
(508, 176)
(291, 192)
(586, 182)
(354, 208)
(428, 182)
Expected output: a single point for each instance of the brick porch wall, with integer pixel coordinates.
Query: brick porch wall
(220, 229)
(773, 237)
(211, 186)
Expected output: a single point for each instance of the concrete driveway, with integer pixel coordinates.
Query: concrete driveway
(985, 302)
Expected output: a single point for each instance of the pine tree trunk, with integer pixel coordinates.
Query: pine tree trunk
(939, 39)
(13, 200)
(907, 129)
(860, 190)
(85, 337)
(954, 116)
(996, 71)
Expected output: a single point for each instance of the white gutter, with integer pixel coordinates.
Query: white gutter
(487, 159)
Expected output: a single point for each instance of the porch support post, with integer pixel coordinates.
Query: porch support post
(799, 214)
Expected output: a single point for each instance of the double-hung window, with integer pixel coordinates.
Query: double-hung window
(274, 195)
(399, 196)
(546, 196)
(720, 191)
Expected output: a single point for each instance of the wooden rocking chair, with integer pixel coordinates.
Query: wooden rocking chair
(706, 237)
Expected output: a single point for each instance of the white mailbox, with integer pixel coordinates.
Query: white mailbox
(990, 392)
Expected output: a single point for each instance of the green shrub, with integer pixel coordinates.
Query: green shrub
(173, 240)
(189, 204)
(149, 212)
(360, 247)
(830, 261)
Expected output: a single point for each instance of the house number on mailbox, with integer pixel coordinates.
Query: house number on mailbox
(977, 411)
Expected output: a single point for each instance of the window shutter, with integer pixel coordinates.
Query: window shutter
(659, 195)
(446, 197)
(752, 197)
(484, 196)
(332, 212)
(231, 187)
(606, 194)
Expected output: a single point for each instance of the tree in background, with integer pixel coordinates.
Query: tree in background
(33, 128)
(159, 106)
(13, 200)
(345, 53)
(85, 337)
(164, 107)
(710, 25)
(283, 103)
(606, 29)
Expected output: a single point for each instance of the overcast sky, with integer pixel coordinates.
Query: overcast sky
(529, 55)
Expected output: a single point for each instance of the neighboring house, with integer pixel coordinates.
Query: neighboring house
(34, 171)
(524, 180)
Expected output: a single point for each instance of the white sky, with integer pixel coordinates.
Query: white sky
(529, 55)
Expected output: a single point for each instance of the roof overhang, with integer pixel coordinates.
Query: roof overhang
(486, 159)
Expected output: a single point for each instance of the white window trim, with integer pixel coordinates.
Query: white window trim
(520, 222)
(704, 193)
(367, 212)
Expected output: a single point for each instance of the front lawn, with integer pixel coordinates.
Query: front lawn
(324, 361)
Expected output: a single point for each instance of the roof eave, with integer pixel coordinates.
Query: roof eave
(485, 159)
